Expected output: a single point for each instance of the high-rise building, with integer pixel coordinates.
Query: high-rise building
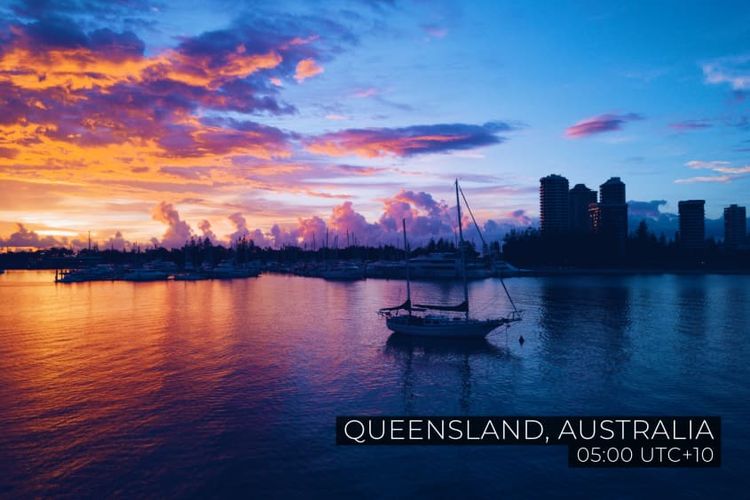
(612, 192)
(580, 197)
(609, 217)
(735, 226)
(692, 224)
(553, 204)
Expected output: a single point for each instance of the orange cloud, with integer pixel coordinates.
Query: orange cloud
(407, 141)
(78, 68)
(372, 148)
(307, 68)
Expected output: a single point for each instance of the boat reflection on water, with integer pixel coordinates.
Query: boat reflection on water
(448, 346)
(445, 355)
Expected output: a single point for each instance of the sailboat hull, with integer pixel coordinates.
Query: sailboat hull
(438, 325)
(453, 328)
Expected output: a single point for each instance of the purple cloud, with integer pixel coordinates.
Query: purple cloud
(643, 209)
(409, 141)
(178, 231)
(688, 125)
(600, 124)
(24, 237)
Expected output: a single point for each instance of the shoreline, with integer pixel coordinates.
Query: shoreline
(526, 273)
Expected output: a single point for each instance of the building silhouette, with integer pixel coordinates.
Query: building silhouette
(554, 205)
(612, 192)
(609, 217)
(580, 197)
(735, 226)
(692, 234)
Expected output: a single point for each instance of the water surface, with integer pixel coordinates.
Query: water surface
(219, 387)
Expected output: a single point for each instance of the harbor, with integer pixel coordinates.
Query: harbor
(155, 271)
(432, 267)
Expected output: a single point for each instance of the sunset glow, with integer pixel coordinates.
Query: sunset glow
(180, 120)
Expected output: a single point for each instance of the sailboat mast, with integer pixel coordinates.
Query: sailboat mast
(461, 247)
(406, 255)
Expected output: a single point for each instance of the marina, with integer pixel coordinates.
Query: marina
(431, 267)
(155, 271)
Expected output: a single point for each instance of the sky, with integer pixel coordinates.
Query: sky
(151, 122)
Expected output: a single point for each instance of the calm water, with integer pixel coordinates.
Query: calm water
(232, 387)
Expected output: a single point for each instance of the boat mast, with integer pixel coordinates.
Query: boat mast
(484, 245)
(406, 255)
(462, 254)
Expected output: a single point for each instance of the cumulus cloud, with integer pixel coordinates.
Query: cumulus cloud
(344, 219)
(240, 228)
(206, 231)
(650, 212)
(178, 231)
(408, 141)
(600, 124)
(258, 237)
(425, 216)
(117, 242)
(24, 237)
(520, 216)
(641, 209)
(312, 230)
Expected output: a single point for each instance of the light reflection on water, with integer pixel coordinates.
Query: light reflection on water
(213, 387)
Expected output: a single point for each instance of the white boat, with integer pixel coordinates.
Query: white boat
(100, 272)
(454, 321)
(434, 266)
(385, 269)
(444, 265)
(344, 272)
(145, 274)
(228, 270)
(157, 270)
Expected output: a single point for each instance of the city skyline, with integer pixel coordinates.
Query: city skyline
(578, 211)
(196, 118)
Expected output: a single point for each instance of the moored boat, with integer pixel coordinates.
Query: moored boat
(452, 320)
(228, 270)
(100, 272)
(343, 272)
(145, 275)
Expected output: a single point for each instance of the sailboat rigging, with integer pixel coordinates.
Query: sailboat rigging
(444, 325)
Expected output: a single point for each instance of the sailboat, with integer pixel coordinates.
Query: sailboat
(450, 320)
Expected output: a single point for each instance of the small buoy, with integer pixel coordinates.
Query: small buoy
(521, 340)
